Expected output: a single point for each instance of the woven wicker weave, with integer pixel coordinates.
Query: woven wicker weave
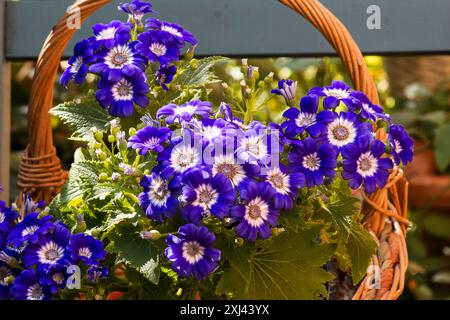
(384, 212)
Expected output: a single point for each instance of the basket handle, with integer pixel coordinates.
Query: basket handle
(40, 171)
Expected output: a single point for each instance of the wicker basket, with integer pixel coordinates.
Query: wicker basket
(384, 212)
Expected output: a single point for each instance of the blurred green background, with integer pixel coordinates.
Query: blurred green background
(414, 90)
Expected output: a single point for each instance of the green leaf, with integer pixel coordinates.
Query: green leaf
(117, 219)
(82, 114)
(360, 248)
(341, 210)
(201, 76)
(441, 148)
(438, 225)
(285, 267)
(143, 255)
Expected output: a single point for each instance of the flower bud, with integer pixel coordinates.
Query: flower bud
(98, 136)
(132, 132)
(190, 53)
(150, 235)
(239, 242)
(101, 155)
(194, 64)
(111, 138)
(115, 176)
(102, 177)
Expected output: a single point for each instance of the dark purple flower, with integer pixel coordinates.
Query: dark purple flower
(256, 214)
(118, 60)
(158, 46)
(49, 250)
(334, 94)
(7, 216)
(285, 184)
(306, 118)
(185, 112)
(344, 129)
(366, 109)
(165, 75)
(363, 163)
(160, 197)
(229, 166)
(191, 251)
(5, 272)
(206, 194)
(86, 249)
(172, 29)
(136, 9)
(401, 144)
(112, 34)
(316, 162)
(79, 63)
(96, 273)
(30, 229)
(27, 287)
(120, 93)
(53, 277)
(287, 89)
(225, 110)
(150, 139)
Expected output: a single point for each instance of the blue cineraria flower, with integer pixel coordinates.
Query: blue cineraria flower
(172, 29)
(334, 94)
(191, 251)
(225, 110)
(315, 162)
(363, 163)
(210, 131)
(401, 144)
(206, 194)
(160, 196)
(112, 34)
(53, 277)
(49, 250)
(255, 147)
(30, 229)
(185, 112)
(285, 184)
(27, 287)
(287, 89)
(30, 206)
(158, 46)
(5, 272)
(95, 273)
(136, 9)
(229, 166)
(86, 249)
(256, 214)
(306, 118)
(150, 139)
(119, 94)
(165, 75)
(344, 129)
(7, 216)
(369, 111)
(117, 60)
(79, 63)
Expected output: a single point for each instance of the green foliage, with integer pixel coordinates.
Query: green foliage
(82, 114)
(441, 147)
(285, 267)
(438, 225)
(199, 73)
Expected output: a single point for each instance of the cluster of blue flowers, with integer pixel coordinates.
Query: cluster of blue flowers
(212, 165)
(36, 253)
(119, 54)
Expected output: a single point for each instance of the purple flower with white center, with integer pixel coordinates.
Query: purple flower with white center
(334, 94)
(363, 163)
(185, 112)
(30, 229)
(78, 64)
(210, 131)
(112, 34)
(228, 165)
(158, 46)
(225, 110)
(150, 139)
(136, 10)
(367, 109)
(316, 162)
(7, 216)
(165, 75)
(344, 129)
(285, 184)
(95, 273)
(120, 59)
(206, 195)
(191, 251)
(402, 145)
(256, 214)
(27, 287)
(178, 159)
(306, 118)
(85, 249)
(172, 29)
(49, 250)
(254, 147)
(120, 94)
(53, 277)
(160, 196)
(287, 89)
